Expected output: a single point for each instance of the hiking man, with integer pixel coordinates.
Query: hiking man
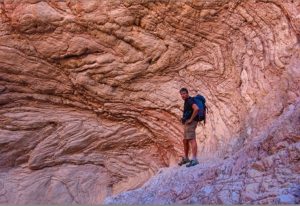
(189, 120)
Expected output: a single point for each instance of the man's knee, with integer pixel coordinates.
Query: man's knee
(193, 141)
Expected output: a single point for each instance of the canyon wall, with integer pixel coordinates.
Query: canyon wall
(89, 90)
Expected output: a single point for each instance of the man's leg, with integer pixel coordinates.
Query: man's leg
(194, 148)
(193, 143)
(186, 147)
(194, 160)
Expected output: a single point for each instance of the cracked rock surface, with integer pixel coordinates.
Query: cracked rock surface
(90, 109)
(265, 171)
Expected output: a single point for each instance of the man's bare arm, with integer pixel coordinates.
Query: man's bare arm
(195, 111)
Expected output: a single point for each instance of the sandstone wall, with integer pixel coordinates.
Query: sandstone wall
(89, 89)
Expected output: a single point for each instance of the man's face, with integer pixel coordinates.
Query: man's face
(184, 95)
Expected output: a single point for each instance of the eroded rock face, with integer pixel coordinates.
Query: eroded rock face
(265, 171)
(89, 89)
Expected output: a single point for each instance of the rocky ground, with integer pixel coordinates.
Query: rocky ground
(266, 171)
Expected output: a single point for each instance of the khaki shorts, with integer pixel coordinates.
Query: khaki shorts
(190, 130)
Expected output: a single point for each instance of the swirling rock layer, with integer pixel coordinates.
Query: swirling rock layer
(89, 89)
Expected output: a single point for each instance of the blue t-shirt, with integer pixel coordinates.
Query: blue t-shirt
(188, 109)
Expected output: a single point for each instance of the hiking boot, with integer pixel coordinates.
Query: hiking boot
(192, 163)
(183, 161)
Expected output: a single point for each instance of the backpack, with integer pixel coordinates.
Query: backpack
(200, 102)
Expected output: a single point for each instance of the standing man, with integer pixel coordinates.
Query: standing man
(189, 120)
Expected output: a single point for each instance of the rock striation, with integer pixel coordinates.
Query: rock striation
(89, 103)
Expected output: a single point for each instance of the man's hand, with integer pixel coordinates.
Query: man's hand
(189, 121)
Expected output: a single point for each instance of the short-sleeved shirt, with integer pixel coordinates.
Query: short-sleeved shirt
(188, 109)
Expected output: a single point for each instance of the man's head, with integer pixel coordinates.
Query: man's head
(184, 93)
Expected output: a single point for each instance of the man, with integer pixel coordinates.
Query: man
(189, 120)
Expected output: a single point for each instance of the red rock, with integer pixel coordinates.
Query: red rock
(89, 102)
